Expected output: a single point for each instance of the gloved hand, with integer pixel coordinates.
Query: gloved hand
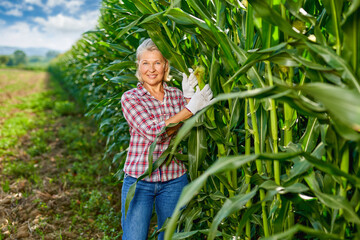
(188, 84)
(201, 99)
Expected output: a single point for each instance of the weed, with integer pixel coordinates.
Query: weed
(51, 180)
(64, 108)
(43, 206)
(20, 169)
(70, 133)
(6, 186)
(97, 204)
(58, 217)
(20, 123)
(109, 223)
(37, 102)
(13, 128)
(37, 149)
(40, 232)
(39, 140)
(60, 236)
(78, 140)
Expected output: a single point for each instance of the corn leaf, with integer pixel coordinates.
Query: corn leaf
(197, 150)
(230, 206)
(274, 18)
(342, 104)
(289, 233)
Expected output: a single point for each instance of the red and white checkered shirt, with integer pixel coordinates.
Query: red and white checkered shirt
(146, 118)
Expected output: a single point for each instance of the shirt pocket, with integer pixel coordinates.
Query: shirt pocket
(173, 108)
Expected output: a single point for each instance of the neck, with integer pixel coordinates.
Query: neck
(157, 91)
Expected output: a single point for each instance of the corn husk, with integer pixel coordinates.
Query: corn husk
(200, 73)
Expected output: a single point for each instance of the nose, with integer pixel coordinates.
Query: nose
(152, 67)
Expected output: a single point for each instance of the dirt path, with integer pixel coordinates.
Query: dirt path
(54, 183)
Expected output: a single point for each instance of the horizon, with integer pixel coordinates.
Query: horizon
(29, 51)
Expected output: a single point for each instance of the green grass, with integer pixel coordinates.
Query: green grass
(17, 79)
(64, 107)
(19, 169)
(97, 205)
(5, 186)
(20, 116)
(39, 142)
(37, 102)
(13, 128)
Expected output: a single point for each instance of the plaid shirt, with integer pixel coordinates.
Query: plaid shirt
(146, 118)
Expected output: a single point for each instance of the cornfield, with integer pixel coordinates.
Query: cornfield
(276, 156)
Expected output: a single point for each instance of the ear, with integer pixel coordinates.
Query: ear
(166, 65)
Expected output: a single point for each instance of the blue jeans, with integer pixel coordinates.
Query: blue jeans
(165, 195)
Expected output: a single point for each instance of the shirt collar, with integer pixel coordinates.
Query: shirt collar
(143, 91)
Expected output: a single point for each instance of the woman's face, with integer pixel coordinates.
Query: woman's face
(152, 67)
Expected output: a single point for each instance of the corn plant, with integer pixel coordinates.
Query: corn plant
(277, 154)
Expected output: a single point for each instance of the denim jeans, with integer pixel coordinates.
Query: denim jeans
(165, 195)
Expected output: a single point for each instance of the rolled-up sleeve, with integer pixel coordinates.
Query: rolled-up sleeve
(138, 117)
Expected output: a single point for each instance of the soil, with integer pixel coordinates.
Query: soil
(43, 210)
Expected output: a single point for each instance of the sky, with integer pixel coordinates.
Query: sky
(54, 24)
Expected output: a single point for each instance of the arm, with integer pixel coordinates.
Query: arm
(180, 116)
(200, 99)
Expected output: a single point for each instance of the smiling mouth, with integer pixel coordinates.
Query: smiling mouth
(152, 76)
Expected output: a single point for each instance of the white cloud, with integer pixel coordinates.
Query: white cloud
(6, 4)
(74, 6)
(66, 3)
(35, 2)
(29, 4)
(16, 9)
(58, 32)
(14, 12)
(11, 8)
(70, 5)
(64, 24)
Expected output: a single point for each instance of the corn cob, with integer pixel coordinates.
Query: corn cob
(199, 74)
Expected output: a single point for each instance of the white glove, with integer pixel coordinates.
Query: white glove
(201, 99)
(188, 84)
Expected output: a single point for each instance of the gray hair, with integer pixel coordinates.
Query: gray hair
(149, 45)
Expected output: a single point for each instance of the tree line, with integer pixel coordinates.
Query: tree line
(19, 58)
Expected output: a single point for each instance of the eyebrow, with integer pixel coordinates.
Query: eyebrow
(146, 60)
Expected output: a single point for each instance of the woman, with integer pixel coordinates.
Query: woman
(148, 109)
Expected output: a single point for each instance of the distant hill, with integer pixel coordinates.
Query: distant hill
(30, 51)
